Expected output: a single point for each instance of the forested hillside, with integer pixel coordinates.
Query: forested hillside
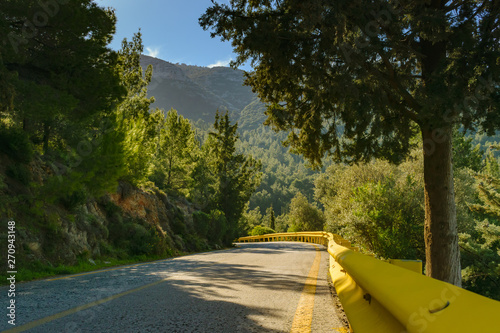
(197, 92)
(90, 173)
(109, 156)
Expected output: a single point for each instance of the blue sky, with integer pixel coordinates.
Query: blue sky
(170, 30)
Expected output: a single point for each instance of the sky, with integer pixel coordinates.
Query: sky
(170, 31)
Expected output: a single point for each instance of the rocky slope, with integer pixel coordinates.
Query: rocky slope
(126, 223)
(197, 92)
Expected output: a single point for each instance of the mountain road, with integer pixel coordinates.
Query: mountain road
(255, 287)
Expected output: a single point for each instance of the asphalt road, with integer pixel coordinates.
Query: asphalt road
(257, 287)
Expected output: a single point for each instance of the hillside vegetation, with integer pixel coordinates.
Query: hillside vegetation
(91, 173)
(109, 157)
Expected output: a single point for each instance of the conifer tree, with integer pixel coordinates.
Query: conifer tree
(489, 188)
(60, 87)
(134, 117)
(482, 246)
(358, 80)
(236, 175)
(176, 152)
(59, 78)
(272, 219)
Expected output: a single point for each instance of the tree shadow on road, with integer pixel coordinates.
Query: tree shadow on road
(199, 294)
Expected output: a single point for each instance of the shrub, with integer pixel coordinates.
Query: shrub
(178, 224)
(377, 205)
(16, 144)
(260, 230)
(201, 223)
(218, 226)
(19, 172)
(74, 199)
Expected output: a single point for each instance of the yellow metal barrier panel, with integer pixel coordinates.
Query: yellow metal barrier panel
(395, 297)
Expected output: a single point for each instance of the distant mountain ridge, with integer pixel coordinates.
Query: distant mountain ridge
(198, 92)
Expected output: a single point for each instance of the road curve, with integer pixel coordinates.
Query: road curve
(256, 287)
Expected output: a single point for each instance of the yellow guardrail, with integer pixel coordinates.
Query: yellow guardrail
(382, 297)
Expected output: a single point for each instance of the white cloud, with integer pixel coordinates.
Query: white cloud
(221, 63)
(153, 52)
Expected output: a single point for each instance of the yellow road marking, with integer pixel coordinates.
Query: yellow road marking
(107, 270)
(130, 266)
(90, 273)
(62, 314)
(45, 320)
(303, 315)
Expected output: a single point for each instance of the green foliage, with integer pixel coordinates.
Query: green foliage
(68, 190)
(201, 222)
(464, 154)
(271, 219)
(282, 223)
(260, 230)
(389, 218)
(105, 163)
(84, 111)
(178, 224)
(481, 241)
(134, 118)
(466, 194)
(176, 153)
(19, 172)
(218, 228)
(384, 71)
(492, 166)
(15, 143)
(304, 216)
(64, 85)
(137, 237)
(486, 141)
(284, 174)
(321, 65)
(377, 206)
(235, 176)
(64, 77)
(481, 260)
(203, 180)
(253, 115)
(249, 219)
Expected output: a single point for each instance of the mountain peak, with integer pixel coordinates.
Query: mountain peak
(198, 92)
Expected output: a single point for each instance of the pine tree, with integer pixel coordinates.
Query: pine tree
(134, 117)
(272, 219)
(176, 153)
(60, 76)
(360, 80)
(269, 218)
(464, 154)
(482, 246)
(236, 175)
(492, 167)
(60, 87)
(489, 188)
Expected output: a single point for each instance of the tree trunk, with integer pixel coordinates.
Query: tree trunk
(441, 235)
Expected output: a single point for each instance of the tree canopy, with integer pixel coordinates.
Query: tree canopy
(236, 176)
(358, 80)
(378, 69)
(62, 74)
